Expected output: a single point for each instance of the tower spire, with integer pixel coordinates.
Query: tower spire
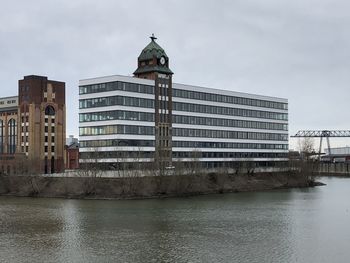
(153, 37)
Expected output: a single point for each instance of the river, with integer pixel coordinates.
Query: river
(295, 225)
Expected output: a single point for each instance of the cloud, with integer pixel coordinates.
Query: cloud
(293, 49)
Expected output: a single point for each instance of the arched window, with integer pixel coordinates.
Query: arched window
(1, 137)
(12, 136)
(50, 111)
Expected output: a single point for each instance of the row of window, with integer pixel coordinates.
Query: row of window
(116, 129)
(52, 129)
(146, 116)
(140, 88)
(188, 94)
(26, 129)
(147, 154)
(228, 123)
(116, 154)
(181, 132)
(237, 165)
(7, 102)
(190, 107)
(116, 115)
(117, 85)
(244, 155)
(47, 138)
(179, 106)
(230, 145)
(46, 148)
(183, 144)
(116, 100)
(116, 143)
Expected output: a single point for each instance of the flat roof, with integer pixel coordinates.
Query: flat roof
(8, 103)
(11, 97)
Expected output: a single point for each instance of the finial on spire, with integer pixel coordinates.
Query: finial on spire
(153, 37)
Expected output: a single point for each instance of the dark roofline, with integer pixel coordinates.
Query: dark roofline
(41, 77)
(153, 69)
(9, 109)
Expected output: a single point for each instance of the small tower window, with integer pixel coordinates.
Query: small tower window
(50, 111)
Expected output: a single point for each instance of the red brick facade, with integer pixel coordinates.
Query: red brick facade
(72, 156)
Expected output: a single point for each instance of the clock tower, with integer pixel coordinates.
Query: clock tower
(153, 63)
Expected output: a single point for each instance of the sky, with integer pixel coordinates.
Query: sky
(299, 50)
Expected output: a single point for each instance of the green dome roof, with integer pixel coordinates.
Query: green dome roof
(152, 50)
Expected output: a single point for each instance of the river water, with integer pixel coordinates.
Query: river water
(297, 225)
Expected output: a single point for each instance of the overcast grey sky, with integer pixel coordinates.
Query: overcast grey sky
(296, 49)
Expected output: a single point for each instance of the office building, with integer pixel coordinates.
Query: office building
(148, 118)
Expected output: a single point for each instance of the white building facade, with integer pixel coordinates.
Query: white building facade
(120, 120)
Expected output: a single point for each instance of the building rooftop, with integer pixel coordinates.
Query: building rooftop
(8, 103)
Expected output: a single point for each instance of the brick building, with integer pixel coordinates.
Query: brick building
(72, 156)
(8, 132)
(34, 125)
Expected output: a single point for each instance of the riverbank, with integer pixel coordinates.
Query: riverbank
(147, 187)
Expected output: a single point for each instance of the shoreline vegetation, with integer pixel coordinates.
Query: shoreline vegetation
(91, 185)
(138, 180)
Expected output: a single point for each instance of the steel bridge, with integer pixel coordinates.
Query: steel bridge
(322, 134)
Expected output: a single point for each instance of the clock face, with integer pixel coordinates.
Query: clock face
(162, 61)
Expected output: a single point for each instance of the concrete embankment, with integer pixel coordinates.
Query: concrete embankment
(146, 187)
(334, 169)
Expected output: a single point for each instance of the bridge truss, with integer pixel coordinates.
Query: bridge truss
(322, 134)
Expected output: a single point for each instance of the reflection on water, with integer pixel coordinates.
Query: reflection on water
(299, 225)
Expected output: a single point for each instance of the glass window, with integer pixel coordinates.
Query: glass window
(1, 137)
(12, 136)
(49, 111)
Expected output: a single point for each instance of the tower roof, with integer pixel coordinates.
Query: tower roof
(152, 50)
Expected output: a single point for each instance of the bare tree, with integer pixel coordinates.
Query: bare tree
(133, 171)
(185, 177)
(307, 164)
(193, 166)
(90, 170)
(30, 168)
(306, 147)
